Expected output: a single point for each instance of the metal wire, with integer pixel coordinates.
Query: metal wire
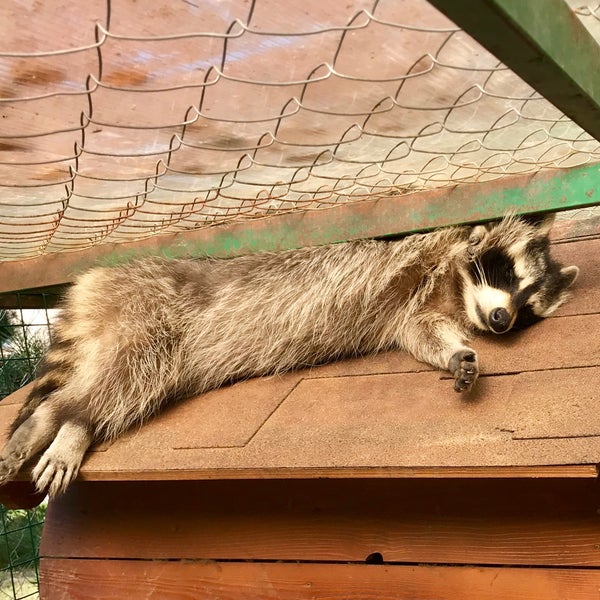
(120, 121)
(24, 336)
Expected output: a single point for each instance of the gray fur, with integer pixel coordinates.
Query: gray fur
(132, 338)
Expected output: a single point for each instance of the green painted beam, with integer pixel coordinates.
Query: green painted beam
(545, 43)
(544, 191)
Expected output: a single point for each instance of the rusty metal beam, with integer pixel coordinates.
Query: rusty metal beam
(545, 43)
(544, 191)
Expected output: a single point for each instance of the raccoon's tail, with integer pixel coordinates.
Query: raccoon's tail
(51, 375)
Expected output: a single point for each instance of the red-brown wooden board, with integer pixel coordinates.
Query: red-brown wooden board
(158, 580)
(508, 522)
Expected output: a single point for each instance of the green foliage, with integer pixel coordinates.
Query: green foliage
(20, 533)
(22, 349)
(5, 326)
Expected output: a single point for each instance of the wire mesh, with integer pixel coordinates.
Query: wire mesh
(20, 533)
(24, 337)
(123, 119)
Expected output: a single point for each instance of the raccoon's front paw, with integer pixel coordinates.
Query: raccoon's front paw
(463, 365)
(478, 233)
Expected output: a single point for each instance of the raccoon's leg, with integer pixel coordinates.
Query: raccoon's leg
(439, 340)
(29, 438)
(60, 464)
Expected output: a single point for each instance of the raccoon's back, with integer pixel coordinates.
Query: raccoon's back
(227, 319)
(194, 325)
(304, 308)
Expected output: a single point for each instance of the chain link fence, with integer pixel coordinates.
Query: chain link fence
(24, 337)
(123, 119)
(20, 533)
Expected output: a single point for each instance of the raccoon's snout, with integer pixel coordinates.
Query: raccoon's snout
(499, 320)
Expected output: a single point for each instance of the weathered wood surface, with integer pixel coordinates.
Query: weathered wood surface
(534, 412)
(284, 487)
(508, 522)
(95, 580)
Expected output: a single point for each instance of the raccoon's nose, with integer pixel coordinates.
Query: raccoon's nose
(499, 320)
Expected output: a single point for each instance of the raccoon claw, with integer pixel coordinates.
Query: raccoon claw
(9, 466)
(463, 365)
(5, 472)
(53, 475)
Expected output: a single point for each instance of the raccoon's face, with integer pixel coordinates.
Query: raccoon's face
(512, 281)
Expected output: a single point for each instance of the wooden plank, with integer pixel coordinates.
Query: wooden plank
(545, 43)
(358, 424)
(20, 494)
(557, 189)
(89, 579)
(578, 471)
(568, 342)
(351, 425)
(510, 522)
(576, 229)
(560, 402)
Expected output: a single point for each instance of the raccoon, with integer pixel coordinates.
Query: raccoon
(134, 338)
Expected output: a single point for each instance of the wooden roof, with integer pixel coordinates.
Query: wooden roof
(534, 412)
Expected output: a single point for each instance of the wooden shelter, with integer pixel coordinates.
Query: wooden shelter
(366, 478)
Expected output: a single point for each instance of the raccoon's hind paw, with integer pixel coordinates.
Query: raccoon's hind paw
(10, 463)
(8, 468)
(59, 465)
(463, 365)
(54, 475)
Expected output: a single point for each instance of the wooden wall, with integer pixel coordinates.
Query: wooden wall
(416, 539)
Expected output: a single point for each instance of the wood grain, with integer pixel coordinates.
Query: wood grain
(510, 522)
(100, 579)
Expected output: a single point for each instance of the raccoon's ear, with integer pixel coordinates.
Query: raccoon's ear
(543, 223)
(569, 275)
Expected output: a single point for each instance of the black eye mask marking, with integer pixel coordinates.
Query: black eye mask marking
(525, 318)
(525, 314)
(498, 269)
(522, 296)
